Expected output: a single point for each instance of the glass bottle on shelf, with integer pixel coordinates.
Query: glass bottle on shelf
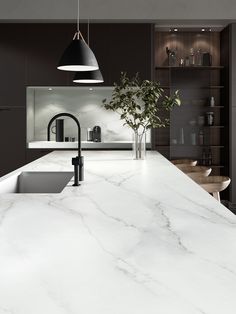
(192, 57)
(210, 118)
(209, 157)
(181, 136)
(199, 57)
(201, 138)
(172, 56)
(212, 101)
(187, 62)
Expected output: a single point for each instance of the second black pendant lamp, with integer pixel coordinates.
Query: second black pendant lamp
(88, 77)
(78, 56)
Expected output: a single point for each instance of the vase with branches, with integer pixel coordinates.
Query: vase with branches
(139, 103)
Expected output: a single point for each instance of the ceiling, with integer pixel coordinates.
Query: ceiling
(165, 12)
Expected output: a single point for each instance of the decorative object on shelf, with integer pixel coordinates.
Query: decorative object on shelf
(209, 157)
(78, 56)
(89, 135)
(187, 62)
(193, 139)
(59, 130)
(201, 137)
(172, 57)
(199, 57)
(138, 103)
(181, 136)
(181, 63)
(212, 101)
(191, 57)
(192, 122)
(201, 120)
(70, 139)
(97, 134)
(210, 118)
(88, 77)
(206, 59)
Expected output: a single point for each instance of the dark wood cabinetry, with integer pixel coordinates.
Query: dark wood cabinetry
(12, 139)
(13, 74)
(196, 85)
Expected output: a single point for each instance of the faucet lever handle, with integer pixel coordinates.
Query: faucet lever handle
(78, 161)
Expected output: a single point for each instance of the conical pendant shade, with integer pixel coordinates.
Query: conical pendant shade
(88, 77)
(78, 57)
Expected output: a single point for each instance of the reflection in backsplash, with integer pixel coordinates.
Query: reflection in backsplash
(83, 102)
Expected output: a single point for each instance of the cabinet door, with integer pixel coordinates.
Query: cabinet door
(42, 59)
(12, 69)
(130, 48)
(12, 139)
(122, 48)
(44, 50)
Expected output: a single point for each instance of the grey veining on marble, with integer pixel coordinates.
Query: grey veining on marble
(136, 237)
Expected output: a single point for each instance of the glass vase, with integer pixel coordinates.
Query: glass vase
(139, 145)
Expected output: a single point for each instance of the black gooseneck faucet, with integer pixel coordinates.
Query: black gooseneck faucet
(78, 161)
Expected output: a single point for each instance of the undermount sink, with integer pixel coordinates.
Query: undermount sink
(36, 182)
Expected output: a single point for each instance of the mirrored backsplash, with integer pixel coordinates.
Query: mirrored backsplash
(84, 102)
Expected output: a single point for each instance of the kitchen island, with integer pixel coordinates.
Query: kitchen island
(137, 237)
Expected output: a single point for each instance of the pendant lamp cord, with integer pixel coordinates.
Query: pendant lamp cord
(78, 34)
(78, 31)
(88, 33)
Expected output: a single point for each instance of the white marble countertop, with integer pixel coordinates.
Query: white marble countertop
(137, 237)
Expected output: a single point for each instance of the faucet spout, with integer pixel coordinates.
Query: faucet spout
(77, 162)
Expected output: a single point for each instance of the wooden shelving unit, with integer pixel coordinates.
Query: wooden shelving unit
(196, 85)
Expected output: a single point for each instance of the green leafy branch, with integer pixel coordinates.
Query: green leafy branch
(139, 103)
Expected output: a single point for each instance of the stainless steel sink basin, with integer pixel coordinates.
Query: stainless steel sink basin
(36, 182)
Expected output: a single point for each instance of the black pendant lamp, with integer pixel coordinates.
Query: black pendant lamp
(88, 77)
(78, 56)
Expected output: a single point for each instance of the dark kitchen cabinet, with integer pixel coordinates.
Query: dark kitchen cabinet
(12, 139)
(122, 47)
(12, 69)
(44, 50)
(130, 50)
(33, 154)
